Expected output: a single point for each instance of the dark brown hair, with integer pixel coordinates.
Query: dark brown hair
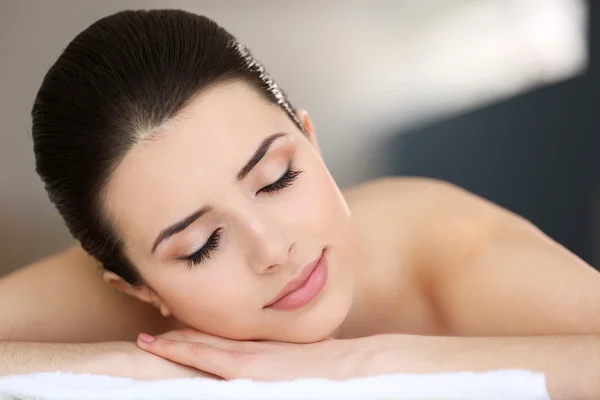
(126, 74)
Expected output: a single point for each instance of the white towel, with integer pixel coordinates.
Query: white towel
(493, 385)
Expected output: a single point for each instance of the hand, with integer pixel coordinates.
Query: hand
(126, 360)
(231, 359)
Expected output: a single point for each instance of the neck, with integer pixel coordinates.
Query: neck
(358, 312)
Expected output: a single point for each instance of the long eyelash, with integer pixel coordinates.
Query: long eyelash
(204, 253)
(286, 180)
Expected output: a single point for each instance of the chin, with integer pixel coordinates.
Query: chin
(311, 330)
(320, 320)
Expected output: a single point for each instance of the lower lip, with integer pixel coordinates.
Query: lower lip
(306, 293)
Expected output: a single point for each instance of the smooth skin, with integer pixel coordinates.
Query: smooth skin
(424, 276)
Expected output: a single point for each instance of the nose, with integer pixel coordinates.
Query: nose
(270, 246)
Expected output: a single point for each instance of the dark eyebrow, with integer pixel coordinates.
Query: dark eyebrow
(179, 226)
(258, 155)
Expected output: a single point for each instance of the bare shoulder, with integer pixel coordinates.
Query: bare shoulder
(462, 258)
(416, 199)
(407, 225)
(416, 212)
(428, 220)
(405, 189)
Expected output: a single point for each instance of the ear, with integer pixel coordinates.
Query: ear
(142, 292)
(308, 127)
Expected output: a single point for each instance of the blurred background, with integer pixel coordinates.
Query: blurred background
(493, 95)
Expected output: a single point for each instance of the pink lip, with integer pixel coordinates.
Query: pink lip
(302, 289)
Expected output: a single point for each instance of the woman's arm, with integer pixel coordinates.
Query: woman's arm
(570, 363)
(63, 298)
(120, 359)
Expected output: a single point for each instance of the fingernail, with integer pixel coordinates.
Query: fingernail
(144, 337)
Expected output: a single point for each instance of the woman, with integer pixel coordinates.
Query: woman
(182, 168)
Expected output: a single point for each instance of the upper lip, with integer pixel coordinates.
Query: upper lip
(297, 282)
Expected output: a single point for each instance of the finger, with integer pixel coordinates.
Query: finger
(204, 357)
(187, 335)
(192, 335)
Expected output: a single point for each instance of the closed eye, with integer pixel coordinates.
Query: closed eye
(204, 253)
(286, 180)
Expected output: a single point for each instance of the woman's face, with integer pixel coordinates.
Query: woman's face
(223, 207)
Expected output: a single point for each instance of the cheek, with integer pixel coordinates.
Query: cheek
(317, 203)
(203, 294)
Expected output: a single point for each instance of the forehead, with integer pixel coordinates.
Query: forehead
(190, 160)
